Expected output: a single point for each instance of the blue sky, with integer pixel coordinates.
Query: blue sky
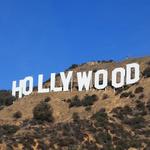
(48, 36)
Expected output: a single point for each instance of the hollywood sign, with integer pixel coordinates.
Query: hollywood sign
(84, 79)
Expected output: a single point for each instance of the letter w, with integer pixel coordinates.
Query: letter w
(84, 80)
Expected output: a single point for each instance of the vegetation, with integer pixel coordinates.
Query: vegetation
(75, 102)
(88, 108)
(100, 130)
(73, 66)
(141, 96)
(75, 117)
(139, 90)
(86, 101)
(101, 118)
(126, 94)
(120, 90)
(89, 100)
(43, 112)
(79, 133)
(6, 99)
(8, 129)
(136, 122)
(47, 99)
(146, 72)
(148, 105)
(17, 115)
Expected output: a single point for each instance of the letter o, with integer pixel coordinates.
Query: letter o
(30, 90)
(105, 79)
(114, 77)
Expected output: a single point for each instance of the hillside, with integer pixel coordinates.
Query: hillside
(92, 120)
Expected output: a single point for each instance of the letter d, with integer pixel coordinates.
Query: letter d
(129, 67)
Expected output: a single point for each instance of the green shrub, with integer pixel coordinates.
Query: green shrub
(148, 105)
(146, 72)
(136, 122)
(75, 102)
(6, 98)
(140, 105)
(43, 112)
(126, 110)
(8, 129)
(75, 117)
(101, 118)
(122, 112)
(88, 108)
(132, 95)
(17, 115)
(73, 66)
(103, 138)
(139, 90)
(125, 94)
(141, 96)
(47, 99)
(89, 100)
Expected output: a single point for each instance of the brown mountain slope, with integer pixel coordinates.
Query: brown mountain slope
(127, 111)
(61, 110)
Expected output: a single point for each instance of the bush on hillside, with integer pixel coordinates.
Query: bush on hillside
(140, 105)
(88, 108)
(6, 99)
(141, 96)
(146, 72)
(122, 112)
(136, 122)
(121, 89)
(73, 66)
(75, 101)
(104, 138)
(139, 90)
(17, 115)
(8, 129)
(125, 94)
(101, 118)
(43, 112)
(86, 101)
(75, 117)
(47, 99)
(132, 95)
(89, 100)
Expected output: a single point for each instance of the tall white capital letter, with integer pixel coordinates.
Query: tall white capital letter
(40, 85)
(53, 80)
(84, 80)
(129, 68)
(30, 87)
(17, 89)
(97, 78)
(114, 77)
(66, 80)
